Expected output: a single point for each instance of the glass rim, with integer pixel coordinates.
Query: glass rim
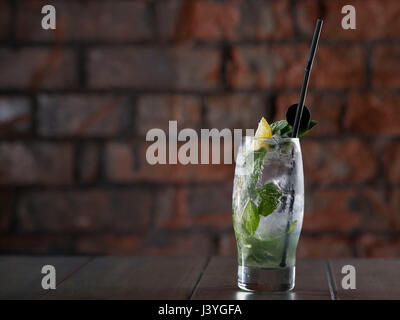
(280, 139)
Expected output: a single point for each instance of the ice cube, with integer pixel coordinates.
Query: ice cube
(271, 226)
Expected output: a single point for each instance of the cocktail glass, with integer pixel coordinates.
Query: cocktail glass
(268, 206)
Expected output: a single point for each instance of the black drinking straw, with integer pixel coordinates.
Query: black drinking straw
(296, 125)
(303, 91)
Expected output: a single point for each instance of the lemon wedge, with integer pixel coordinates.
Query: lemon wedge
(263, 132)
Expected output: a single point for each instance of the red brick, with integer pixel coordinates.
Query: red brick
(227, 244)
(332, 210)
(279, 66)
(36, 244)
(375, 19)
(349, 210)
(386, 68)
(338, 161)
(15, 115)
(307, 12)
(127, 163)
(370, 245)
(83, 115)
(382, 211)
(168, 208)
(86, 21)
(89, 163)
(37, 68)
(391, 161)
(177, 68)
(36, 163)
(200, 19)
(185, 207)
(108, 245)
(5, 15)
(90, 211)
(6, 209)
(264, 67)
(235, 111)
(338, 67)
(176, 244)
(219, 201)
(168, 13)
(216, 20)
(395, 203)
(70, 244)
(156, 111)
(325, 109)
(324, 246)
(156, 244)
(373, 114)
(265, 20)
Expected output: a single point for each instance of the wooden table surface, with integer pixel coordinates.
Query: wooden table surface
(187, 278)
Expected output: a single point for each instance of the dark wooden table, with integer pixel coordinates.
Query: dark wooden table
(187, 278)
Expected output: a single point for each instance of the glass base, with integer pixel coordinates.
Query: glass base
(266, 279)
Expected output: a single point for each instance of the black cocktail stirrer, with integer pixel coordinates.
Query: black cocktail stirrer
(303, 91)
(299, 112)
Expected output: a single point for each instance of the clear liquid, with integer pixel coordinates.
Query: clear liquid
(267, 255)
(272, 245)
(266, 279)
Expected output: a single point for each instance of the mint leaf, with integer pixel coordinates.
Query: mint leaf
(311, 125)
(250, 217)
(268, 195)
(292, 226)
(276, 127)
(284, 129)
(254, 165)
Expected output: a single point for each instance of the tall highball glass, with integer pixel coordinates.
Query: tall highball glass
(268, 207)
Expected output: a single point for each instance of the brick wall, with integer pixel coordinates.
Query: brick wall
(76, 103)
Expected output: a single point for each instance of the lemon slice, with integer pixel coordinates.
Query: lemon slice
(263, 132)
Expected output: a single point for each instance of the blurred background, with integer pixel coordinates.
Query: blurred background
(76, 103)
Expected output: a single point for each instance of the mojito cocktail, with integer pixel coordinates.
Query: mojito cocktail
(268, 205)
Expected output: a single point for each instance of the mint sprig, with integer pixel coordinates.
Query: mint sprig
(277, 126)
(261, 201)
(264, 200)
(268, 200)
(284, 129)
